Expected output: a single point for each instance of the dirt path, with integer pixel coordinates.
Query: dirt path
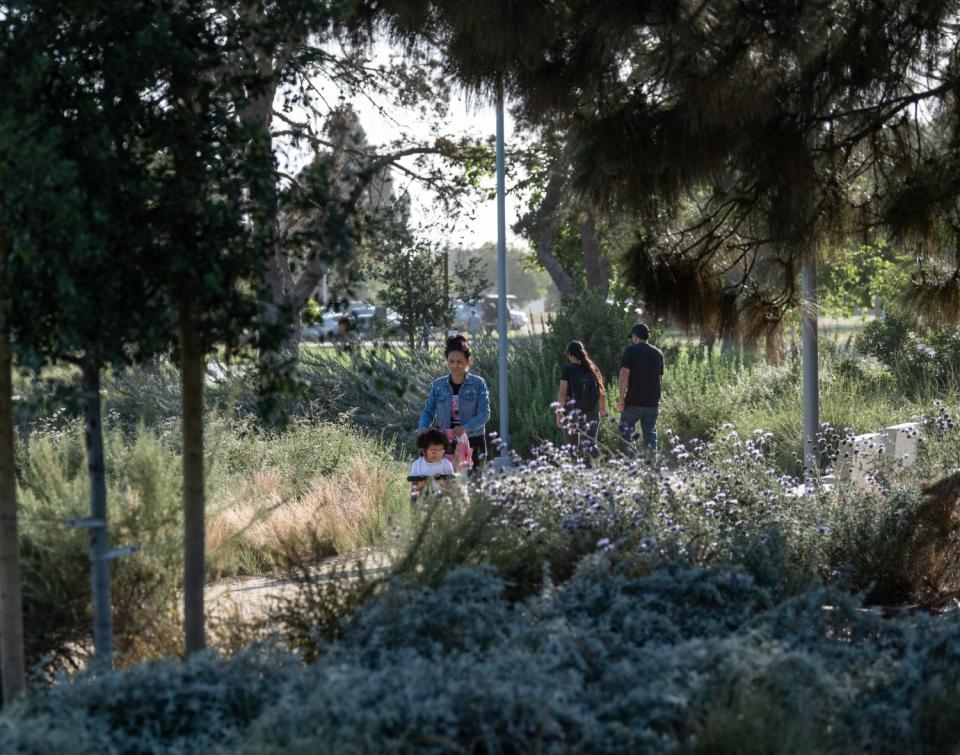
(251, 598)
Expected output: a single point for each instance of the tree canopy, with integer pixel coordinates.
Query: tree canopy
(737, 134)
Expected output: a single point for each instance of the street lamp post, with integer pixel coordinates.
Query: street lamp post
(503, 459)
(808, 338)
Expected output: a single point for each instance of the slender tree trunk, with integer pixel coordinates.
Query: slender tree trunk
(11, 597)
(596, 267)
(99, 565)
(774, 345)
(192, 368)
(729, 322)
(557, 272)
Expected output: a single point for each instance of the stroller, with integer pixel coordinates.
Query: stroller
(457, 451)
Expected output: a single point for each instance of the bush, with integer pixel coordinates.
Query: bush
(685, 659)
(144, 504)
(603, 327)
(923, 363)
(156, 707)
(317, 489)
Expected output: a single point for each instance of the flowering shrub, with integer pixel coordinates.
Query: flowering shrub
(704, 502)
(683, 659)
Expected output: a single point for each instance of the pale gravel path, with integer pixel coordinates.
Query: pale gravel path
(251, 598)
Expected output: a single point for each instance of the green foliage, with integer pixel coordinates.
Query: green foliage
(414, 288)
(196, 703)
(872, 536)
(435, 669)
(860, 278)
(709, 588)
(312, 312)
(143, 486)
(470, 282)
(603, 327)
(919, 359)
(532, 382)
(144, 489)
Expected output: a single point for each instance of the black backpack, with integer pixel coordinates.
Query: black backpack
(585, 391)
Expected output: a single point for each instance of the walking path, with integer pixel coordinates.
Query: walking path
(251, 598)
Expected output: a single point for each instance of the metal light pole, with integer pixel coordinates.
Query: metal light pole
(808, 336)
(504, 458)
(808, 341)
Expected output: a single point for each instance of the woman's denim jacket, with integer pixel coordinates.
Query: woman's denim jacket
(474, 404)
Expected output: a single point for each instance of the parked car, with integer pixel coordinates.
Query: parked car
(467, 316)
(368, 319)
(518, 318)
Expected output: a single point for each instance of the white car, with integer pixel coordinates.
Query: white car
(518, 319)
(467, 316)
(328, 327)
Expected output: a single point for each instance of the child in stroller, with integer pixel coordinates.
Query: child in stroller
(432, 463)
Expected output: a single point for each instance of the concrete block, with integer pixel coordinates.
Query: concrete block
(902, 443)
(859, 457)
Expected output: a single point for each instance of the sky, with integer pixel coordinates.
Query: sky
(464, 118)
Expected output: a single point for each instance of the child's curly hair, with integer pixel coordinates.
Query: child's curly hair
(431, 436)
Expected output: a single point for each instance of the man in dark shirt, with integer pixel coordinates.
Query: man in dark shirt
(641, 374)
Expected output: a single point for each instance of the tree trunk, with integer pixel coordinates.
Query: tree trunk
(558, 273)
(729, 321)
(774, 345)
(99, 565)
(541, 223)
(596, 267)
(279, 285)
(191, 370)
(11, 597)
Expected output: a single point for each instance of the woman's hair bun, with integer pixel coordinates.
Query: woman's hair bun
(459, 343)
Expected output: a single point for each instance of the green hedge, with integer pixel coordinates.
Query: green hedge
(682, 660)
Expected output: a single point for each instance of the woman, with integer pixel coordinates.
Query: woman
(581, 389)
(459, 401)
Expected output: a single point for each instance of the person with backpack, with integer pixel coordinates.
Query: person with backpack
(581, 400)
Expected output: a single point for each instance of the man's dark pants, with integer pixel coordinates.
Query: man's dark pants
(647, 416)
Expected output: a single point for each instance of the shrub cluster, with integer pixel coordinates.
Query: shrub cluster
(318, 485)
(917, 360)
(686, 659)
(602, 325)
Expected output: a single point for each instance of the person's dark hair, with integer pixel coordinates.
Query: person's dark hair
(457, 343)
(431, 436)
(578, 351)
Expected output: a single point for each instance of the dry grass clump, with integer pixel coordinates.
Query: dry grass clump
(935, 551)
(261, 523)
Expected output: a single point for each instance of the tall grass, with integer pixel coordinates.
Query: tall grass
(703, 394)
(270, 495)
(143, 495)
(316, 483)
(382, 390)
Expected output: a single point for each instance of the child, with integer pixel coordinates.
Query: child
(431, 443)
